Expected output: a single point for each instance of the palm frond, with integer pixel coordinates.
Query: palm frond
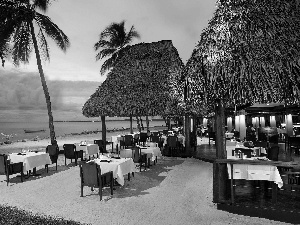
(22, 46)
(53, 31)
(105, 53)
(112, 39)
(106, 66)
(103, 44)
(131, 34)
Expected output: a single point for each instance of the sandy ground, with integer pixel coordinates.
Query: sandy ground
(175, 191)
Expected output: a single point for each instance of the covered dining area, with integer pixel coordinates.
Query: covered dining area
(237, 66)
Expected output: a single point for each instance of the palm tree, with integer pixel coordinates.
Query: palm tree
(18, 30)
(112, 40)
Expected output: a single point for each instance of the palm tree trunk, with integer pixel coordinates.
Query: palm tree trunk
(138, 123)
(45, 88)
(131, 130)
(147, 122)
(142, 125)
(103, 133)
(187, 131)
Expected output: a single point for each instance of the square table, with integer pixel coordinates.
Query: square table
(89, 149)
(30, 160)
(119, 167)
(255, 172)
(154, 151)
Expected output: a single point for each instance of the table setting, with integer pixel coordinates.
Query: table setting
(31, 160)
(119, 166)
(88, 149)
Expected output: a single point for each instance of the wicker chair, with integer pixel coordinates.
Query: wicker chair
(140, 158)
(7, 169)
(143, 138)
(90, 174)
(71, 153)
(53, 152)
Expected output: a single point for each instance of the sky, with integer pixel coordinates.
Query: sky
(181, 21)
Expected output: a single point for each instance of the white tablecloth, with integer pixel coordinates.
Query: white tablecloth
(154, 151)
(119, 167)
(255, 172)
(89, 149)
(31, 160)
(229, 135)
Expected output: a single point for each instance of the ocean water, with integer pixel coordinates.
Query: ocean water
(16, 129)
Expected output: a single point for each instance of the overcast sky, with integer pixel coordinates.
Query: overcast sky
(82, 21)
(180, 21)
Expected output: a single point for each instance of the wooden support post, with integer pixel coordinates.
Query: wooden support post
(103, 133)
(131, 130)
(187, 132)
(220, 170)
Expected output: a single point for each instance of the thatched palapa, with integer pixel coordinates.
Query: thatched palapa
(253, 54)
(144, 82)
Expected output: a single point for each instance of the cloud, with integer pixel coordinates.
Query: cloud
(23, 91)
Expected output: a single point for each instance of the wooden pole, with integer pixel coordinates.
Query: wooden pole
(187, 131)
(131, 130)
(220, 175)
(195, 125)
(103, 133)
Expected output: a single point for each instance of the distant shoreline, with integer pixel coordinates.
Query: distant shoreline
(74, 134)
(41, 144)
(94, 121)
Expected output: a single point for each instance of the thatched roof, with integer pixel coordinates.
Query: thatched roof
(145, 81)
(253, 54)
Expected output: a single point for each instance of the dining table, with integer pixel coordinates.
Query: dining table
(129, 153)
(119, 167)
(153, 151)
(231, 146)
(31, 160)
(88, 149)
(255, 168)
(118, 138)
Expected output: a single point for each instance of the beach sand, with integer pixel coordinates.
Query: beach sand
(41, 144)
(175, 191)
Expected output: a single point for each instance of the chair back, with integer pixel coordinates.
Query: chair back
(99, 143)
(165, 132)
(290, 179)
(155, 133)
(272, 153)
(246, 152)
(143, 137)
(155, 139)
(52, 150)
(69, 150)
(3, 164)
(128, 141)
(137, 154)
(172, 141)
(90, 173)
